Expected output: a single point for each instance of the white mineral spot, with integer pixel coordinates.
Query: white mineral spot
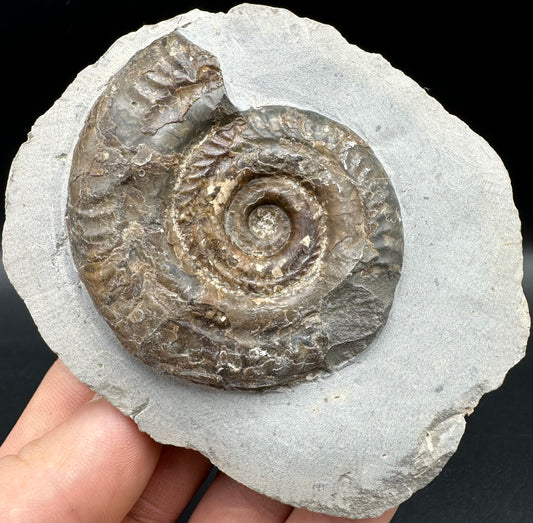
(306, 240)
(277, 272)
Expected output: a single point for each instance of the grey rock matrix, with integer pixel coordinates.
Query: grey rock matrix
(365, 437)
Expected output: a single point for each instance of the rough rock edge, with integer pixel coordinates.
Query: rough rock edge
(450, 422)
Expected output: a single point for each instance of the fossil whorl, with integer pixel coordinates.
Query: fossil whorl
(240, 249)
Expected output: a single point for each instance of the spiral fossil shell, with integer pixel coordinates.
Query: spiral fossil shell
(220, 241)
(239, 249)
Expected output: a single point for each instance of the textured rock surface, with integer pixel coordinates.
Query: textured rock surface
(221, 245)
(366, 437)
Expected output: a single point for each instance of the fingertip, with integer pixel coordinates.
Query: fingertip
(57, 397)
(226, 500)
(104, 431)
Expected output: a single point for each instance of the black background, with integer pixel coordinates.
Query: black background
(476, 63)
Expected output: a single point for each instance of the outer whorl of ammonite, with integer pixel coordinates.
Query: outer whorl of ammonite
(240, 249)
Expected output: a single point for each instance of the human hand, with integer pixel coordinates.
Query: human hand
(74, 457)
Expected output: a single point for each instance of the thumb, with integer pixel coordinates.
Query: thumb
(92, 467)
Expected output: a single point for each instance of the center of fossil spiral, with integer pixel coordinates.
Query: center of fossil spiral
(269, 224)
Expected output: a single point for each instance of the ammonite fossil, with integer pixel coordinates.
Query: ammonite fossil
(208, 196)
(240, 249)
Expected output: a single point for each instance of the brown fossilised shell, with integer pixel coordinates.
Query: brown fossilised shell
(237, 249)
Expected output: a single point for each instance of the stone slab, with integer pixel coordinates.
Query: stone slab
(365, 438)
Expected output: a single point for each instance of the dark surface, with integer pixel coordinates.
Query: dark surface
(476, 65)
(471, 65)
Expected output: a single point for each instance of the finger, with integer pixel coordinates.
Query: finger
(300, 515)
(229, 501)
(56, 398)
(92, 467)
(177, 477)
